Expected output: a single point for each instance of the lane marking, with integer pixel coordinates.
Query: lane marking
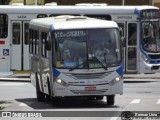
(135, 101)
(22, 105)
(158, 102)
(116, 116)
(12, 84)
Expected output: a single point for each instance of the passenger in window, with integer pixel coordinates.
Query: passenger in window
(106, 52)
(66, 54)
(149, 41)
(153, 47)
(148, 35)
(101, 50)
(80, 56)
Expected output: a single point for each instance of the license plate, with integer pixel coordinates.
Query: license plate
(90, 88)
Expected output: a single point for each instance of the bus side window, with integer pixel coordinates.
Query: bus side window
(16, 33)
(37, 43)
(122, 33)
(26, 31)
(132, 34)
(31, 41)
(42, 15)
(3, 25)
(103, 17)
(43, 41)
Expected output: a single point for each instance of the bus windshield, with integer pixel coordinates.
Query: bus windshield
(87, 49)
(151, 41)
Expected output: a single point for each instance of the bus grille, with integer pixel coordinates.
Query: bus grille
(90, 75)
(89, 92)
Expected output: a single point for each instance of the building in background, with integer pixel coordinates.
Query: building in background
(109, 2)
(25, 2)
(156, 3)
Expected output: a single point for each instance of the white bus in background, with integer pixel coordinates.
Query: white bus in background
(135, 23)
(75, 56)
(140, 33)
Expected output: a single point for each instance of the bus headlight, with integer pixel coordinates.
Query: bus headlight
(116, 80)
(145, 58)
(61, 82)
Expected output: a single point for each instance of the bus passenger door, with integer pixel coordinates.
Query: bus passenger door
(131, 47)
(19, 46)
(16, 45)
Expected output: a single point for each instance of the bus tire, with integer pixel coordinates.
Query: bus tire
(110, 99)
(40, 95)
(48, 97)
(99, 98)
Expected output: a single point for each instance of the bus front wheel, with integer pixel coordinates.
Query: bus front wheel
(110, 99)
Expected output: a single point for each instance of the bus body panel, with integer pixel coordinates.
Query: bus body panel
(86, 87)
(117, 13)
(65, 82)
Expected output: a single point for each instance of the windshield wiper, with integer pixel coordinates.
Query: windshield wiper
(105, 67)
(79, 65)
(87, 61)
(105, 60)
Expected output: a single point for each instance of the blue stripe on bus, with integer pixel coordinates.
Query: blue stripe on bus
(120, 70)
(52, 27)
(136, 11)
(56, 73)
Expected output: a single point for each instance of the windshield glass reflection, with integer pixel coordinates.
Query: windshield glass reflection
(87, 49)
(151, 41)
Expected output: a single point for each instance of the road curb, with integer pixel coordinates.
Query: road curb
(141, 77)
(127, 77)
(16, 79)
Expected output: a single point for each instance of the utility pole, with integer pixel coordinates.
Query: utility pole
(24, 2)
(123, 2)
(35, 1)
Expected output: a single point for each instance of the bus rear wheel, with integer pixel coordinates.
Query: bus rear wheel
(110, 99)
(40, 95)
(48, 97)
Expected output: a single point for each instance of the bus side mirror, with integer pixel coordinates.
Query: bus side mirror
(48, 45)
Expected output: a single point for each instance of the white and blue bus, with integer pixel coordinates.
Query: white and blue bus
(140, 32)
(135, 22)
(75, 56)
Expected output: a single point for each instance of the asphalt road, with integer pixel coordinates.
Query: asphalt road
(138, 96)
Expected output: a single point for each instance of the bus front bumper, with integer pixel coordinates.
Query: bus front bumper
(89, 90)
